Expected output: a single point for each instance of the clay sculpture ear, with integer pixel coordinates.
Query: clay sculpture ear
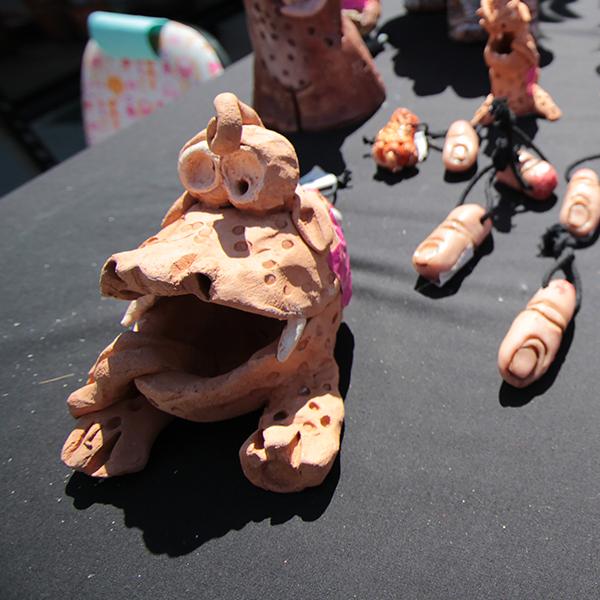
(580, 212)
(200, 174)
(533, 340)
(224, 132)
(262, 174)
(311, 218)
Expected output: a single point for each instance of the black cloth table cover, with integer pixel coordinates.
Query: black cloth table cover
(449, 484)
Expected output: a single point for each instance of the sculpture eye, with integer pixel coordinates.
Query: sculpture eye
(198, 169)
(263, 173)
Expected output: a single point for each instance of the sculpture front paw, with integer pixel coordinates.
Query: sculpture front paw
(294, 449)
(116, 440)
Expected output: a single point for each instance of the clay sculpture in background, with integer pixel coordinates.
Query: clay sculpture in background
(580, 211)
(312, 70)
(236, 302)
(452, 243)
(533, 340)
(397, 145)
(513, 61)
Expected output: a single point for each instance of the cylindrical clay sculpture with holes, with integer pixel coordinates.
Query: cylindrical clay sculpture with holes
(236, 302)
(312, 70)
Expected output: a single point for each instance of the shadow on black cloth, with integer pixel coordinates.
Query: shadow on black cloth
(428, 289)
(426, 55)
(390, 178)
(510, 396)
(193, 489)
(556, 11)
(322, 148)
(514, 203)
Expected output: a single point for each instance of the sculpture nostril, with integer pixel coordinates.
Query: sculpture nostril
(242, 187)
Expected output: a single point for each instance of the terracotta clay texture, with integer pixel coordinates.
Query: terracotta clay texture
(461, 146)
(531, 344)
(312, 70)
(513, 61)
(394, 148)
(580, 211)
(451, 244)
(235, 307)
(538, 173)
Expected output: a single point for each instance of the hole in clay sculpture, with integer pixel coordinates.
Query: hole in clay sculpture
(113, 423)
(287, 244)
(259, 440)
(503, 44)
(204, 282)
(242, 187)
(280, 415)
(325, 421)
(311, 31)
(223, 338)
(313, 406)
(135, 404)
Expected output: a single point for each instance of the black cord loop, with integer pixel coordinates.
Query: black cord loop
(566, 264)
(569, 170)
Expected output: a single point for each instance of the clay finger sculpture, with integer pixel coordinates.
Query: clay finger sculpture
(513, 61)
(461, 146)
(396, 145)
(312, 70)
(451, 244)
(533, 340)
(539, 174)
(580, 212)
(236, 302)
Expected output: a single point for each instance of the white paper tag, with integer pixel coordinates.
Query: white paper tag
(463, 259)
(421, 144)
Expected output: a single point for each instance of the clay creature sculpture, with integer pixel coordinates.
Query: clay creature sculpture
(452, 243)
(236, 302)
(513, 61)
(396, 145)
(533, 340)
(312, 70)
(580, 212)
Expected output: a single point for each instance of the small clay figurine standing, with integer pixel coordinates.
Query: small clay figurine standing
(312, 70)
(513, 61)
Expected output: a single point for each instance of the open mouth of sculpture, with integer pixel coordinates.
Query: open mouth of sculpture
(223, 338)
(502, 44)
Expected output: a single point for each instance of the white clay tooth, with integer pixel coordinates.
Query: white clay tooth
(136, 309)
(290, 336)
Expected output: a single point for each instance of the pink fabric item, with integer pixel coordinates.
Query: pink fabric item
(532, 78)
(354, 4)
(339, 262)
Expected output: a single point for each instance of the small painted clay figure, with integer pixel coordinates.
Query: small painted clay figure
(452, 244)
(312, 70)
(513, 61)
(363, 13)
(395, 147)
(539, 174)
(461, 146)
(236, 302)
(533, 340)
(580, 212)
